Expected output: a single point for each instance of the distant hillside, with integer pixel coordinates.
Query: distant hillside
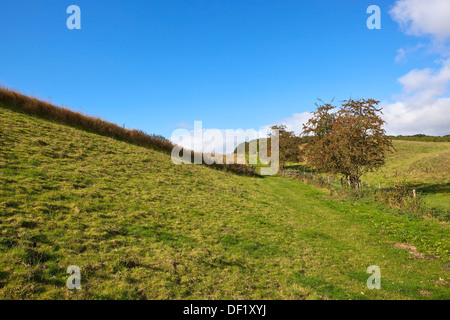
(422, 137)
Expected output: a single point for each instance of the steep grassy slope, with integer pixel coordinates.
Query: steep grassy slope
(140, 227)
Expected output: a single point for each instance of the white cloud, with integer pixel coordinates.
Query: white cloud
(426, 81)
(214, 140)
(423, 106)
(432, 120)
(294, 123)
(423, 17)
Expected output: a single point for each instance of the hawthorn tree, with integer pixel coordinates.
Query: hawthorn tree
(350, 142)
(289, 145)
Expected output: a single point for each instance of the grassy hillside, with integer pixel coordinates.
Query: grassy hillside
(424, 166)
(140, 227)
(415, 162)
(16, 101)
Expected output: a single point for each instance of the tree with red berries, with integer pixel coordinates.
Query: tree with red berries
(351, 141)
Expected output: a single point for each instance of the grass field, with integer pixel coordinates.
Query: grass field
(140, 227)
(424, 166)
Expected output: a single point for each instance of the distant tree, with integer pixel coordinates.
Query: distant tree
(351, 141)
(289, 145)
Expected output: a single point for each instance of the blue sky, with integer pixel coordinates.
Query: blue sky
(156, 65)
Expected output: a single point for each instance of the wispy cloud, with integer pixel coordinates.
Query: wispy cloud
(403, 54)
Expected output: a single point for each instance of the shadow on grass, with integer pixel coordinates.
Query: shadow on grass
(299, 167)
(325, 288)
(431, 188)
(3, 278)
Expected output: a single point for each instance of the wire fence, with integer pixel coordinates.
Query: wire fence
(331, 180)
(397, 195)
